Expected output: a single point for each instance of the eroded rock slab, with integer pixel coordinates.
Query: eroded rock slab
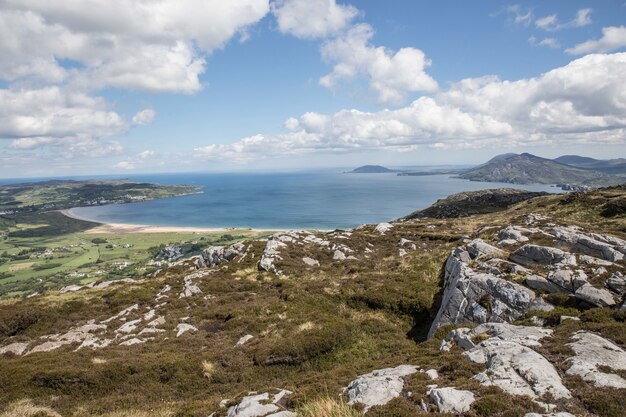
(261, 405)
(592, 352)
(379, 387)
(452, 400)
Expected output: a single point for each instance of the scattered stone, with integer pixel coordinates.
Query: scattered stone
(617, 283)
(270, 254)
(243, 340)
(128, 327)
(378, 387)
(592, 352)
(560, 414)
(432, 374)
(513, 233)
(310, 261)
(184, 327)
(260, 405)
(133, 341)
(338, 256)
(402, 253)
(452, 400)
(590, 260)
(382, 228)
(122, 313)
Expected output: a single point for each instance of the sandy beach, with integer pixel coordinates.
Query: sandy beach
(141, 228)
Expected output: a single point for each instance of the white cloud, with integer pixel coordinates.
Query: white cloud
(549, 42)
(312, 18)
(391, 75)
(146, 154)
(551, 23)
(583, 102)
(143, 45)
(126, 165)
(56, 113)
(144, 117)
(516, 14)
(613, 38)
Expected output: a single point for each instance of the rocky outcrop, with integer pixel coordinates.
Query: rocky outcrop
(262, 405)
(592, 353)
(480, 297)
(383, 228)
(529, 336)
(474, 202)
(215, 255)
(479, 247)
(535, 255)
(379, 387)
(606, 247)
(451, 400)
(517, 369)
(271, 253)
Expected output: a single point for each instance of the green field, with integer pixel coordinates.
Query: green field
(42, 251)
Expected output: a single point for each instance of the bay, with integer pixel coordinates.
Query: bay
(316, 200)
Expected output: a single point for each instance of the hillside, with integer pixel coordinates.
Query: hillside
(506, 313)
(608, 166)
(530, 169)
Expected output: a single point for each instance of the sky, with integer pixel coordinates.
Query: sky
(91, 87)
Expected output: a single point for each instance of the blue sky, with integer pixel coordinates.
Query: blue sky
(99, 87)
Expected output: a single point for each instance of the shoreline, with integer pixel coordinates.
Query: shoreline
(125, 228)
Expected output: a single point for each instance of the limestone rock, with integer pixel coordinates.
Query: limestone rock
(517, 369)
(479, 298)
(593, 351)
(379, 387)
(529, 336)
(452, 400)
(597, 296)
(310, 261)
(244, 339)
(260, 405)
(594, 245)
(184, 327)
(479, 247)
(339, 256)
(17, 348)
(532, 255)
(617, 283)
(382, 228)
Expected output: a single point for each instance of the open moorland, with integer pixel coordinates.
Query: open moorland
(502, 313)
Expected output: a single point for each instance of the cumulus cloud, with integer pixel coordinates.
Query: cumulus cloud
(144, 117)
(613, 38)
(162, 53)
(582, 102)
(391, 75)
(312, 18)
(54, 112)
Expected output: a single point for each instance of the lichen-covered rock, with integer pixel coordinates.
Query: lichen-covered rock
(592, 352)
(481, 297)
(596, 296)
(517, 369)
(452, 400)
(589, 245)
(479, 247)
(261, 405)
(379, 387)
(383, 228)
(532, 255)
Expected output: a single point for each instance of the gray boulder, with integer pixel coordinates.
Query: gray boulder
(596, 296)
(589, 245)
(533, 255)
(378, 387)
(479, 247)
(517, 369)
(261, 405)
(617, 283)
(452, 400)
(593, 352)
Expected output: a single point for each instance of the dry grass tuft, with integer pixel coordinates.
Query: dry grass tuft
(327, 407)
(26, 408)
(208, 370)
(98, 361)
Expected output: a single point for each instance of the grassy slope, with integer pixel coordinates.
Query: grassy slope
(338, 321)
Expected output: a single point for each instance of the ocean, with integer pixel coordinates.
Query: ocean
(319, 200)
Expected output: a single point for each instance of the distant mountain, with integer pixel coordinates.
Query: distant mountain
(530, 169)
(607, 166)
(372, 169)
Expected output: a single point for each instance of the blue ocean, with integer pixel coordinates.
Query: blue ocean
(318, 200)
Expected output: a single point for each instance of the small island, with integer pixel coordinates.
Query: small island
(372, 169)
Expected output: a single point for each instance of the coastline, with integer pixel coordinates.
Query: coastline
(125, 228)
